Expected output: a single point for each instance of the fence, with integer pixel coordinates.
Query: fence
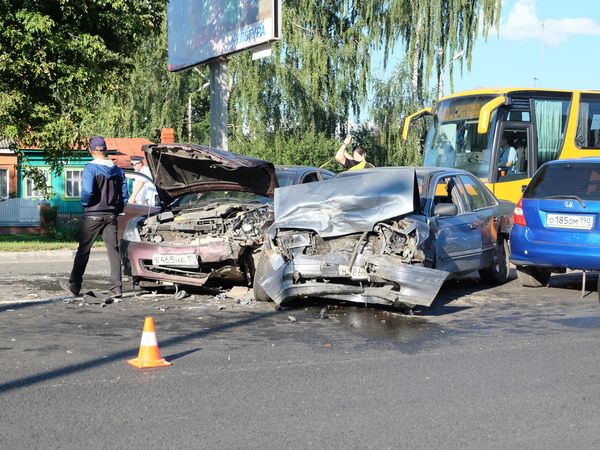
(20, 212)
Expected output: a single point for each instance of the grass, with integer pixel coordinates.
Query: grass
(34, 242)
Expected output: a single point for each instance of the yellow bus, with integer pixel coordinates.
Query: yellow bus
(502, 135)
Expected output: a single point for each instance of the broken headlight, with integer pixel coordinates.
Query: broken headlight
(252, 223)
(131, 230)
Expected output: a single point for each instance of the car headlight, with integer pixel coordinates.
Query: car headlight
(132, 233)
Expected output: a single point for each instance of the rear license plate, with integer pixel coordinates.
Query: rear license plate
(182, 260)
(571, 221)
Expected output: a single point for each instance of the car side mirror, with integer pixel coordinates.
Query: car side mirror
(445, 209)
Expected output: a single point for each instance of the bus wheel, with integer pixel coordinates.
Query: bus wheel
(498, 272)
(533, 276)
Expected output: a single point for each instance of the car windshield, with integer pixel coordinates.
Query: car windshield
(202, 198)
(285, 177)
(566, 180)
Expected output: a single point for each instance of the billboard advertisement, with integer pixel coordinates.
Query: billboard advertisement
(201, 30)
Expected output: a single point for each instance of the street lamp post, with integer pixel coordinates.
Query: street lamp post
(441, 77)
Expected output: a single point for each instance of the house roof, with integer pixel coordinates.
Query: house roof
(127, 146)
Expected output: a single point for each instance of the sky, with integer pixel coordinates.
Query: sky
(541, 43)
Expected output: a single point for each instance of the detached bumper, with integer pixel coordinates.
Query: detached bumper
(398, 283)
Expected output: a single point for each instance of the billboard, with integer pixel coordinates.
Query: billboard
(202, 30)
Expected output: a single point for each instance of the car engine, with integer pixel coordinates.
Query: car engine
(242, 223)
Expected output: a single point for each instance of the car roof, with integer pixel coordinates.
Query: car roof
(585, 159)
(423, 171)
(291, 168)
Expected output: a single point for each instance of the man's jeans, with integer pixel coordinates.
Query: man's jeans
(90, 228)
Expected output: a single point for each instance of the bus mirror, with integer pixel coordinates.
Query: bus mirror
(486, 112)
(409, 119)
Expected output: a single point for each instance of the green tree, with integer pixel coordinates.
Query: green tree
(53, 53)
(148, 98)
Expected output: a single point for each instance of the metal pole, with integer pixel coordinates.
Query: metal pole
(190, 118)
(219, 99)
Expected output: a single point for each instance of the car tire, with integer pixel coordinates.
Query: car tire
(533, 276)
(263, 269)
(499, 271)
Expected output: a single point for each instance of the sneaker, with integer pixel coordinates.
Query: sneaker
(68, 287)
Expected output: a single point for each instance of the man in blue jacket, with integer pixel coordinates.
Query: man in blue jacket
(103, 196)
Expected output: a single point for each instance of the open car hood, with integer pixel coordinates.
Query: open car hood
(351, 202)
(179, 169)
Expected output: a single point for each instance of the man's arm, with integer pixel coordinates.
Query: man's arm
(124, 190)
(512, 157)
(137, 187)
(87, 185)
(342, 155)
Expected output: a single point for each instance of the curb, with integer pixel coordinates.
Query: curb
(47, 256)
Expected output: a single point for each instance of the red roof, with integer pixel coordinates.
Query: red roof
(128, 147)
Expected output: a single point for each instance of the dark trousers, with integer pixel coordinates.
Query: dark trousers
(90, 228)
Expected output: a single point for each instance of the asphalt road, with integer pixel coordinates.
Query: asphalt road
(485, 367)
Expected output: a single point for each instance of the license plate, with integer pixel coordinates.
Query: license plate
(182, 260)
(572, 221)
(356, 273)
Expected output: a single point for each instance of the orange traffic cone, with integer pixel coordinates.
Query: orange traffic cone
(149, 356)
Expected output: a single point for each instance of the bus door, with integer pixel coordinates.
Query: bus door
(514, 159)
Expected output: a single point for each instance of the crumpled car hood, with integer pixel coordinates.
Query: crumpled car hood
(179, 169)
(351, 202)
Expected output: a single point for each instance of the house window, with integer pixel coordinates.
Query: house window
(3, 183)
(30, 188)
(73, 183)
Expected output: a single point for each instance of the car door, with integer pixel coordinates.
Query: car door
(458, 240)
(484, 205)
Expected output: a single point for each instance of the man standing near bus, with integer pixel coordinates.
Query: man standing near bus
(357, 161)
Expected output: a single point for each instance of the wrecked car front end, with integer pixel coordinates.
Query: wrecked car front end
(358, 237)
(218, 208)
(217, 241)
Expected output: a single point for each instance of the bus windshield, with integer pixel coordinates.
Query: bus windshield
(453, 141)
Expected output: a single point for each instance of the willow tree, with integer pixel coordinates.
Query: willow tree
(320, 73)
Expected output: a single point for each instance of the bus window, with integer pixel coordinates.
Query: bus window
(513, 154)
(550, 121)
(588, 124)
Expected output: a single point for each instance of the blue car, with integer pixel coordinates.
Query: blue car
(556, 224)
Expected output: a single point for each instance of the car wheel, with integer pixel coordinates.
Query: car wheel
(533, 276)
(263, 269)
(498, 272)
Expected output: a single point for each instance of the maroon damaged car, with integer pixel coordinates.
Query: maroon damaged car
(216, 206)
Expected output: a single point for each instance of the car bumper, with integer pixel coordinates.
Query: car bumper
(216, 260)
(526, 252)
(418, 285)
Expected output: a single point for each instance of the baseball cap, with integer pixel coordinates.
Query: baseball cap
(97, 141)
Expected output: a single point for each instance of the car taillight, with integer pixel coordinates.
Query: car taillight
(518, 216)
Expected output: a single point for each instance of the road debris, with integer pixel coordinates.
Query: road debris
(181, 294)
(291, 318)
